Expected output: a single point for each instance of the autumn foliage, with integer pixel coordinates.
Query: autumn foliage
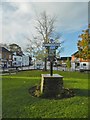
(84, 45)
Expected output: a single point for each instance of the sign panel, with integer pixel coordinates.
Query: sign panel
(52, 47)
(51, 44)
(52, 52)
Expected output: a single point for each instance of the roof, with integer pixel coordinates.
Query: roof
(64, 58)
(3, 49)
(75, 53)
(26, 53)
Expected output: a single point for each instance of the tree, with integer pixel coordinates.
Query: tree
(41, 54)
(36, 50)
(45, 26)
(68, 63)
(84, 45)
(46, 29)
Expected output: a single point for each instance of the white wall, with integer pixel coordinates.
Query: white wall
(85, 65)
(25, 60)
(18, 61)
(72, 65)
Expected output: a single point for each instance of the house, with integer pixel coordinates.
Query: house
(39, 64)
(79, 63)
(5, 57)
(17, 60)
(25, 60)
(21, 59)
(75, 62)
(9, 59)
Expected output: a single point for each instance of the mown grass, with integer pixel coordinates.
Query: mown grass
(18, 103)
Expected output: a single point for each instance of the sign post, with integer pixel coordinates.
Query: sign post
(52, 53)
(51, 68)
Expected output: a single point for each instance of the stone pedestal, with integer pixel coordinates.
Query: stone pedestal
(51, 85)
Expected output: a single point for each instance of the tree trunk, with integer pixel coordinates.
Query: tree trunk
(51, 68)
(45, 65)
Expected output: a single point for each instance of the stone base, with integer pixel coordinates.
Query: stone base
(51, 85)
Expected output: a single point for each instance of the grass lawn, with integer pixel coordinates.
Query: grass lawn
(18, 103)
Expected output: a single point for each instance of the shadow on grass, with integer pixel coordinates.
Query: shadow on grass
(82, 92)
(70, 81)
(78, 91)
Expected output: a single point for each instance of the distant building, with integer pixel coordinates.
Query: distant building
(21, 59)
(5, 57)
(79, 63)
(9, 59)
(25, 60)
(62, 60)
(17, 60)
(75, 62)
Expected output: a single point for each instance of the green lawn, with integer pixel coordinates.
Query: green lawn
(18, 103)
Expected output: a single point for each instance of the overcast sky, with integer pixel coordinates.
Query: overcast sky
(18, 20)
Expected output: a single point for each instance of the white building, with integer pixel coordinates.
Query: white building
(79, 63)
(85, 65)
(39, 64)
(25, 60)
(17, 60)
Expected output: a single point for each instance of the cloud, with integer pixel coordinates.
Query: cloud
(19, 18)
(45, 0)
(16, 22)
(0, 22)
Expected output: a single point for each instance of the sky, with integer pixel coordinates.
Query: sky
(18, 21)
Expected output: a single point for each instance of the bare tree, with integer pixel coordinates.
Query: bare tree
(45, 26)
(46, 29)
(34, 46)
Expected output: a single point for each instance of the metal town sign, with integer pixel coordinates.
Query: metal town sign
(52, 46)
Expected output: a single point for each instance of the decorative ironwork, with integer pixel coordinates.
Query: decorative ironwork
(52, 46)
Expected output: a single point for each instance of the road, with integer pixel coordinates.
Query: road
(34, 67)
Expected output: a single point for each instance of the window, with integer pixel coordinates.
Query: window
(9, 56)
(78, 64)
(15, 59)
(4, 55)
(84, 64)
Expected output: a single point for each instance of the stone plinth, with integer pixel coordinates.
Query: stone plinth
(51, 85)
